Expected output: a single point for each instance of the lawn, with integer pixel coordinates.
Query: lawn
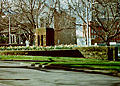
(70, 62)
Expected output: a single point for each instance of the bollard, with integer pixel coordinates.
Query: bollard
(110, 54)
(116, 53)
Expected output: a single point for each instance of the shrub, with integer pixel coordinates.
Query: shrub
(3, 39)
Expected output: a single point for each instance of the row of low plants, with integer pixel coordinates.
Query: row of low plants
(37, 47)
(70, 62)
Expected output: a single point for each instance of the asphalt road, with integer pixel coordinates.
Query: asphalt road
(30, 77)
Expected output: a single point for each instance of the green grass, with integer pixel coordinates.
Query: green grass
(70, 62)
(14, 57)
(97, 67)
(10, 57)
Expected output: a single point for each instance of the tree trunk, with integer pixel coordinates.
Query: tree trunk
(108, 43)
(32, 39)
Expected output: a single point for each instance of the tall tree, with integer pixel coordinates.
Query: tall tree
(26, 15)
(104, 14)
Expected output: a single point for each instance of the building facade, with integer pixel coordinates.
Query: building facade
(44, 37)
(64, 31)
(104, 23)
(65, 28)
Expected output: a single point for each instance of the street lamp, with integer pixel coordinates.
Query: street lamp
(9, 29)
(88, 22)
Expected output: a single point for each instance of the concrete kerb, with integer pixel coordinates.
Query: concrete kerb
(45, 68)
(87, 70)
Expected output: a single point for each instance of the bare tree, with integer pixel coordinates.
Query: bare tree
(32, 14)
(3, 21)
(26, 15)
(104, 14)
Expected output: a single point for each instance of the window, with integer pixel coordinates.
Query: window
(91, 30)
(94, 36)
(91, 36)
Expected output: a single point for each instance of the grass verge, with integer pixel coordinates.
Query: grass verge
(69, 62)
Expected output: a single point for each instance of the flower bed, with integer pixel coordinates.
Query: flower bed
(38, 47)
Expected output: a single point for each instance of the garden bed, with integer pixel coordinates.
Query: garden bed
(54, 53)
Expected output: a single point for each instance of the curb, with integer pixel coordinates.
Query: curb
(87, 70)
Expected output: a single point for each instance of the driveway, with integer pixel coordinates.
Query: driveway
(30, 77)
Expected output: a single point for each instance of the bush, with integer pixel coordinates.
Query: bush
(94, 52)
(3, 39)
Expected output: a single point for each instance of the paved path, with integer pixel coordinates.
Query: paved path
(29, 77)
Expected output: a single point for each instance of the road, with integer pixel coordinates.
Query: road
(30, 77)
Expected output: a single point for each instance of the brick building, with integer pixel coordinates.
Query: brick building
(65, 28)
(44, 37)
(108, 22)
(105, 23)
(96, 39)
(64, 31)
